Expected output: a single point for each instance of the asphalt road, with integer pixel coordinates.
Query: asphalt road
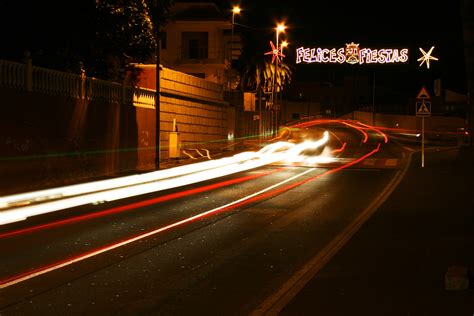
(224, 263)
(397, 263)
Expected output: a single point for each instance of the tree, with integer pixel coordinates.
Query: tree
(159, 12)
(105, 36)
(124, 35)
(257, 71)
(258, 75)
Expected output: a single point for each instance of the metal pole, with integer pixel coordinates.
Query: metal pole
(276, 85)
(422, 142)
(260, 114)
(157, 103)
(373, 100)
(232, 41)
(282, 112)
(469, 119)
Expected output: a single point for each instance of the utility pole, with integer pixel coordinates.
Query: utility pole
(373, 99)
(157, 101)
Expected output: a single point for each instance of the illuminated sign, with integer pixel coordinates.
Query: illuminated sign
(351, 54)
(275, 52)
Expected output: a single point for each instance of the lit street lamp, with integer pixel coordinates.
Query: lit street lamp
(283, 45)
(235, 10)
(280, 28)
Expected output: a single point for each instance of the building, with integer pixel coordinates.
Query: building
(198, 41)
(332, 95)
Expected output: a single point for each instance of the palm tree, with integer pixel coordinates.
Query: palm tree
(256, 70)
(257, 75)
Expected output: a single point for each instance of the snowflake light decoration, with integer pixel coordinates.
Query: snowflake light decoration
(275, 52)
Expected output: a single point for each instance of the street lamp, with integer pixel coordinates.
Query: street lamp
(235, 10)
(283, 45)
(281, 27)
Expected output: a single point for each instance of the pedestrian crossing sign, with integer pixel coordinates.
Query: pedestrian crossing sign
(423, 108)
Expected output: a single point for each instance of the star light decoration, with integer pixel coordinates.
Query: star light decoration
(276, 52)
(426, 57)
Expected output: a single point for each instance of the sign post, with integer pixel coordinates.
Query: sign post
(423, 109)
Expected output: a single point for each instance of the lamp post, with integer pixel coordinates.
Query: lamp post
(279, 28)
(235, 10)
(157, 102)
(283, 45)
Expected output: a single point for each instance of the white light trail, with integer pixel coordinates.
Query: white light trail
(94, 253)
(78, 189)
(46, 201)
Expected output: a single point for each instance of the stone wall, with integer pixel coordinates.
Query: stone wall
(48, 140)
(202, 117)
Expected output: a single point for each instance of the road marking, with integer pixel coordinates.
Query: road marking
(58, 265)
(273, 304)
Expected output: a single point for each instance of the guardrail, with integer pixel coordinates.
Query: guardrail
(36, 79)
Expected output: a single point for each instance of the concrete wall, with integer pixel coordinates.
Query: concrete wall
(412, 122)
(49, 140)
(203, 119)
(52, 140)
(292, 110)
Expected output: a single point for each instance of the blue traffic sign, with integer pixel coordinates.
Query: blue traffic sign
(423, 108)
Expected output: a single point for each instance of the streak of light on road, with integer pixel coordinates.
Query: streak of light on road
(125, 187)
(268, 192)
(135, 205)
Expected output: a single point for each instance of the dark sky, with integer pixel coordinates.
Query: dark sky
(373, 24)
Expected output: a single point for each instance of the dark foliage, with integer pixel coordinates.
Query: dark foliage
(101, 36)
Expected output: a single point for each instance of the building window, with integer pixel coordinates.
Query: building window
(195, 45)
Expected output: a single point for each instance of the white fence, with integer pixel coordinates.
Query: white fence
(35, 79)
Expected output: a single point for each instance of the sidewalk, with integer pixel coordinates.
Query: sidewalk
(396, 263)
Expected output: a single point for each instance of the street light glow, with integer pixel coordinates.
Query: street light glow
(284, 44)
(236, 10)
(281, 28)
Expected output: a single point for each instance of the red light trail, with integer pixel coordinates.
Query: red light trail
(136, 205)
(259, 196)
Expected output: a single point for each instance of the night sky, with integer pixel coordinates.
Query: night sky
(373, 24)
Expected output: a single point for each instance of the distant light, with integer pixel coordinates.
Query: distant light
(426, 57)
(284, 44)
(236, 10)
(281, 27)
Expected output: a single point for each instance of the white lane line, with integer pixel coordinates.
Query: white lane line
(273, 304)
